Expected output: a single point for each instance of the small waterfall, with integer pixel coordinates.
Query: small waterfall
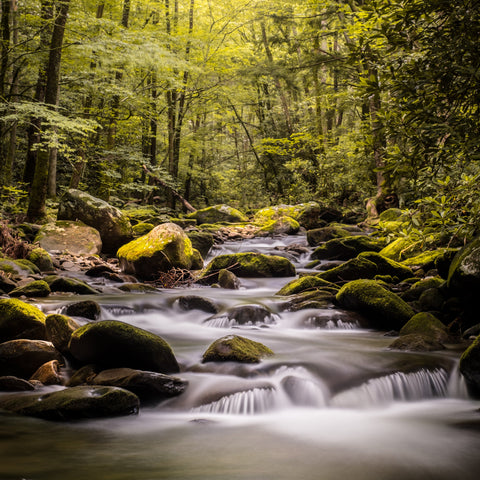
(248, 402)
(397, 386)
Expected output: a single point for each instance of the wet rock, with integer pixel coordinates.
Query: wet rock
(86, 309)
(347, 247)
(303, 284)
(83, 376)
(319, 298)
(48, 373)
(248, 265)
(41, 258)
(69, 236)
(137, 288)
(352, 269)
(37, 288)
(147, 386)
(165, 247)
(14, 384)
(194, 302)
(20, 320)
(228, 280)
(249, 315)
(470, 367)
(234, 348)
(281, 226)
(384, 309)
(428, 325)
(71, 285)
(114, 227)
(6, 284)
(21, 358)
(472, 331)
(319, 235)
(73, 403)
(113, 344)
(59, 330)
(416, 342)
(414, 292)
(202, 241)
(217, 214)
(99, 271)
(464, 272)
(387, 266)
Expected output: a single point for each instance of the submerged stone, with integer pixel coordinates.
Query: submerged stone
(74, 403)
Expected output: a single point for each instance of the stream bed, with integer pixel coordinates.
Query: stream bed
(332, 403)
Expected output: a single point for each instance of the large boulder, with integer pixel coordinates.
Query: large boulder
(20, 320)
(234, 348)
(114, 227)
(73, 403)
(218, 214)
(165, 247)
(470, 367)
(150, 386)
(281, 226)
(464, 272)
(384, 309)
(425, 323)
(68, 236)
(248, 265)
(21, 358)
(112, 344)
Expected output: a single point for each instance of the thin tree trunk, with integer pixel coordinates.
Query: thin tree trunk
(38, 195)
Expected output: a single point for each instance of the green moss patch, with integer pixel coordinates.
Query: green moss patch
(234, 348)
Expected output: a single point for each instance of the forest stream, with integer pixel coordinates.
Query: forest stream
(332, 403)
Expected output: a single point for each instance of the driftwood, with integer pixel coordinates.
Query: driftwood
(160, 182)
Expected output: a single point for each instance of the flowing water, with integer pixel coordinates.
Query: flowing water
(332, 403)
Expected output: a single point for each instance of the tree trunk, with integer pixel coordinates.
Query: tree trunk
(5, 171)
(38, 194)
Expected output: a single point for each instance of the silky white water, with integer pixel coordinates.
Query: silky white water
(332, 403)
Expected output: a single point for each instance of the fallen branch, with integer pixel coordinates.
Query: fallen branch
(158, 180)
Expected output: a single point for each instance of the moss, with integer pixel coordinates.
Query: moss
(283, 225)
(28, 265)
(383, 308)
(424, 260)
(137, 288)
(19, 318)
(41, 258)
(426, 324)
(236, 349)
(386, 266)
(402, 248)
(142, 228)
(202, 241)
(390, 215)
(353, 269)
(248, 265)
(464, 272)
(59, 330)
(218, 213)
(64, 284)
(347, 247)
(37, 288)
(470, 367)
(420, 286)
(416, 342)
(303, 284)
(324, 234)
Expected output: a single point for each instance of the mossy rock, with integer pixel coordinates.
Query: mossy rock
(142, 228)
(184, 222)
(37, 288)
(268, 214)
(69, 285)
(74, 403)
(20, 320)
(319, 235)
(18, 267)
(146, 213)
(384, 309)
(425, 260)
(41, 259)
(234, 348)
(319, 298)
(248, 265)
(86, 309)
(114, 226)
(431, 299)
(392, 215)
(202, 241)
(416, 342)
(347, 247)
(353, 269)
(402, 248)
(165, 247)
(148, 386)
(414, 292)
(470, 367)
(21, 358)
(392, 227)
(228, 280)
(59, 330)
(69, 236)
(464, 272)
(218, 213)
(386, 266)
(281, 226)
(426, 324)
(302, 284)
(197, 260)
(113, 344)
(196, 302)
(136, 288)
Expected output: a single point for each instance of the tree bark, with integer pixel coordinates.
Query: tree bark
(38, 194)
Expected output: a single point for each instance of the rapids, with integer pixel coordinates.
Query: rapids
(332, 403)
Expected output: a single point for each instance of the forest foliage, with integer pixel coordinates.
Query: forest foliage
(244, 102)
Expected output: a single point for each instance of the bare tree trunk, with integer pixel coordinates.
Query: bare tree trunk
(38, 194)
